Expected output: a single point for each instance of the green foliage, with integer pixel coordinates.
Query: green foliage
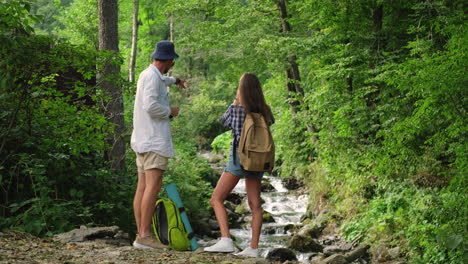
(192, 175)
(222, 143)
(431, 224)
(52, 172)
(15, 18)
(79, 23)
(200, 111)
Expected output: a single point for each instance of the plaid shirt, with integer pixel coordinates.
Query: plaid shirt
(234, 118)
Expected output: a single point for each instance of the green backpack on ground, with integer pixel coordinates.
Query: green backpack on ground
(256, 146)
(168, 226)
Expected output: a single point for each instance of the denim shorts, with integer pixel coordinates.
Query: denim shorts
(236, 169)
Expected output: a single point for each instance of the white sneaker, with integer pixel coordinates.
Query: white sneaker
(223, 246)
(248, 252)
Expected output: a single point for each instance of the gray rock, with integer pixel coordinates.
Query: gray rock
(292, 183)
(255, 261)
(331, 250)
(305, 244)
(215, 158)
(122, 235)
(312, 230)
(380, 253)
(316, 258)
(358, 252)
(229, 205)
(266, 186)
(269, 230)
(235, 198)
(213, 224)
(290, 228)
(289, 262)
(233, 218)
(394, 252)
(84, 233)
(346, 246)
(281, 254)
(335, 259)
(200, 226)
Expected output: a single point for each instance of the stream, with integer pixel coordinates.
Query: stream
(286, 207)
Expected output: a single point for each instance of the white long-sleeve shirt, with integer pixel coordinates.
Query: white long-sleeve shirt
(151, 124)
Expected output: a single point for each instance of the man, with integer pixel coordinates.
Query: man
(151, 137)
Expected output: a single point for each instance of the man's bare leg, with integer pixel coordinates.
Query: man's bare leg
(137, 199)
(153, 183)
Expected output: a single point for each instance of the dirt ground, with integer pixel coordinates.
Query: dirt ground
(17, 247)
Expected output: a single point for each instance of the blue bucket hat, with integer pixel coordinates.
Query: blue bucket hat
(164, 51)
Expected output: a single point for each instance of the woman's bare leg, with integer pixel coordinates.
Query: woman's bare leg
(225, 184)
(253, 188)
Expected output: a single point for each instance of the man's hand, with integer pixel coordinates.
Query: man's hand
(174, 111)
(180, 83)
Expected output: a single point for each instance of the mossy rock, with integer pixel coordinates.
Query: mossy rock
(268, 217)
(242, 209)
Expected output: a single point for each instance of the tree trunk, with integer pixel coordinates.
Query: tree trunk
(131, 68)
(377, 21)
(293, 75)
(171, 28)
(108, 73)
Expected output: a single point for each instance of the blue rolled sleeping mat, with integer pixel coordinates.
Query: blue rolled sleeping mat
(173, 194)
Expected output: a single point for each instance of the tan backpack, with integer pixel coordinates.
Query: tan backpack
(256, 146)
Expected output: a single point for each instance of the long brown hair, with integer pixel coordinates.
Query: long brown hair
(251, 96)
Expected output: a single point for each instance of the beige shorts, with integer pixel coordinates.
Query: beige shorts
(150, 160)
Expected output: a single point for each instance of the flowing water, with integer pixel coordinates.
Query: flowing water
(286, 207)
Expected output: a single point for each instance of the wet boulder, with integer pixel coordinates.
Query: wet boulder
(233, 219)
(200, 226)
(267, 186)
(281, 254)
(267, 217)
(316, 258)
(332, 249)
(269, 230)
(242, 209)
(305, 243)
(213, 224)
(229, 205)
(312, 230)
(235, 198)
(292, 183)
(335, 259)
(360, 251)
(291, 228)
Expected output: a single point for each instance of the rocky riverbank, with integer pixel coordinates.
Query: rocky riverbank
(100, 245)
(111, 245)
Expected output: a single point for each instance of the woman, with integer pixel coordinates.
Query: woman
(249, 99)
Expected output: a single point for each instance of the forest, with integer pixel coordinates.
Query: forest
(370, 99)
